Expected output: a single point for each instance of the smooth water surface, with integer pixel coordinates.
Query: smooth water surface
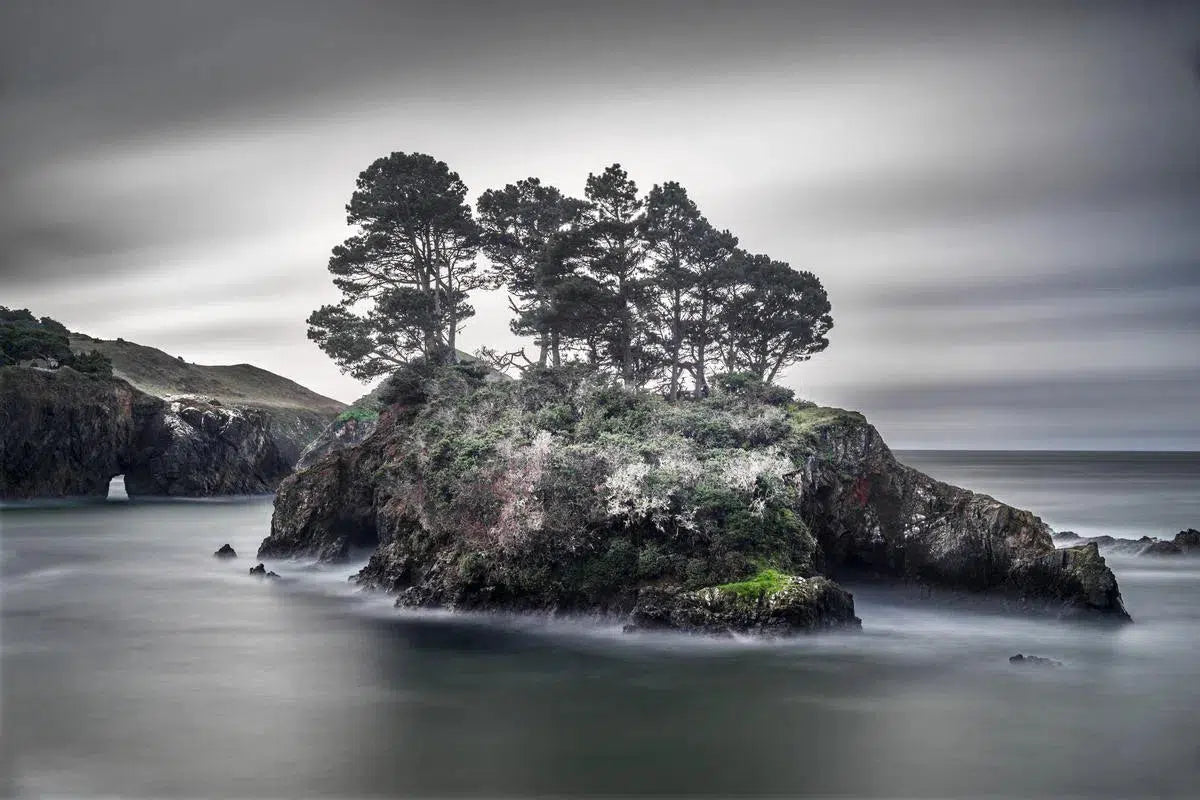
(135, 664)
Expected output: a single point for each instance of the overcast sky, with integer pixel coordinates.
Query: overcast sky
(1003, 200)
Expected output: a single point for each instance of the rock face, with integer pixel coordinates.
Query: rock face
(348, 429)
(559, 494)
(66, 435)
(795, 605)
(196, 449)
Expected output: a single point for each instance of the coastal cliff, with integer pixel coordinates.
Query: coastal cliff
(563, 493)
(66, 434)
(172, 428)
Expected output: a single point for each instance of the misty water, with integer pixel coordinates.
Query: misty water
(135, 664)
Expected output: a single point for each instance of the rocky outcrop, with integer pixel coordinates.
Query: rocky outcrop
(348, 429)
(1188, 541)
(793, 605)
(559, 494)
(66, 434)
(352, 426)
(260, 571)
(226, 551)
(1022, 660)
(1185, 542)
(877, 518)
(196, 449)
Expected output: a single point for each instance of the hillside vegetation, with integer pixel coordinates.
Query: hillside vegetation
(163, 375)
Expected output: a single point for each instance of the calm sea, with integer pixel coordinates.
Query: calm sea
(135, 664)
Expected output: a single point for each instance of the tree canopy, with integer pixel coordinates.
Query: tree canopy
(641, 285)
(405, 273)
(24, 337)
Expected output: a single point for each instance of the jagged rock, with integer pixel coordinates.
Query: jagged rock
(226, 551)
(1184, 542)
(1033, 661)
(259, 569)
(193, 449)
(1188, 541)
(559, 494)
(1162, 549)
(796, 605)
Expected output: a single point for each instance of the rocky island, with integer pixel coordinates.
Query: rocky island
(566, 493)
(172, 428)
(645, 466)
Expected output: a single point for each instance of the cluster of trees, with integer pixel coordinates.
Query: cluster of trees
(642, 285)
(24, 337)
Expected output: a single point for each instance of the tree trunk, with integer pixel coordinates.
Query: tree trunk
(701, 388)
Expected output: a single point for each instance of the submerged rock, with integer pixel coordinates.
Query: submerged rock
(259, 569)
(560, 493)
(1033, 661)
(226, 551)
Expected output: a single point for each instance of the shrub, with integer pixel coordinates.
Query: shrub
(23, 337)
(409, 384)
(743, 384)
(92, 363)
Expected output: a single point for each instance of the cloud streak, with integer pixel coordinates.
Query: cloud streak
(1002, 198)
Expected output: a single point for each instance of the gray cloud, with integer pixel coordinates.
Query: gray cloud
(1062, 412)
(1000, 196)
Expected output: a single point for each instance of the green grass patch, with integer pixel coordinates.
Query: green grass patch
(360, 414)
(767, 581)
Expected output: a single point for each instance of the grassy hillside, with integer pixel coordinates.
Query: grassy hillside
(157, 373)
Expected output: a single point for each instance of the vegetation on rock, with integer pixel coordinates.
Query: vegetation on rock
(567, 491)
(26, 339)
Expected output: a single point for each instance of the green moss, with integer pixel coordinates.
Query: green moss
(358, 414)
(767, 581)
(806, 417)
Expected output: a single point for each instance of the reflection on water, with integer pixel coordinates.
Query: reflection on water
(134, 663)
